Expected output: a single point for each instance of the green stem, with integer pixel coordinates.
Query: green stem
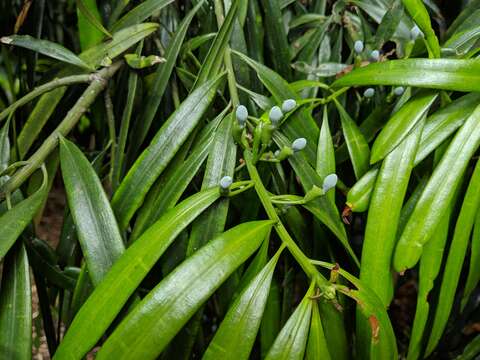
(97, 85)
(68, 80)
(282, 232)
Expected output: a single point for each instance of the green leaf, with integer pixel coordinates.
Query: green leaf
(325, 150)
(383, 215)
(160, 81)
(322, 207)
(300, 123)
(471, 350)
(140, 13)
(214, 59)
(16, 306)
(92, 16)
(390, 21)
(157, 155)
(356, 143)
(455, 259)
(37, 119)
(126, 274)
(462, 18)
(430, 265)
(358, 197)
(401, 124)
(444, 122)
(277, 40)
(144, 332)
(270, 325)
(439, 191)
(466, 36)
(317, 347)
(171, 185)
(292, 340)
(46, 48)
(473, 275)
(446, 74)
(382, 342)
(97, 229)
(220, 163)
(419, 14)
(121, 41)
(14, 221)
(46, 105)
(439, 126)
(4, 147)
(89, 22)
(243, 317)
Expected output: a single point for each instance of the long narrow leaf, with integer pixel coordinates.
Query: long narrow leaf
(97, 228)
(126, 274)
(147, 330)
(161, 150)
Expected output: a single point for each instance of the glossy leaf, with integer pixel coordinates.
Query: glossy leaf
(90, 26)
(16, 306)
(121, 41)
(356, 143)
(214, 59)
(93, 18)
(419, 14)
(473, 275)
(317, 347)
(125, 276)
(401, 124)
(292, 340)
(439, 126)
(446, 74)
(97, 229)
(325, 152)
(170, 187)
(198, 276)
(220, 163)
(358, 197)
(47, 48)
(322, 208)
(160, 80)
(157, 155)
(140, 13)
(383, 215)
(4, 146)
(430, 264)
(14, 221)
(243, 317)
(276, 37)
(438, 193)
(300, 123)
(455, 259)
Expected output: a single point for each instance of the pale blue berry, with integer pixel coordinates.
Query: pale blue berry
(358, 46)
(299, 144)
(369, 92)
(398, 90)
(329, 182)
(288, 105)
(241, 114)
(275, 115)
(415, 32)
(375, 55)
(226, 182)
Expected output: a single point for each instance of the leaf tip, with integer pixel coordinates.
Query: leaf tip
(6, 39)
